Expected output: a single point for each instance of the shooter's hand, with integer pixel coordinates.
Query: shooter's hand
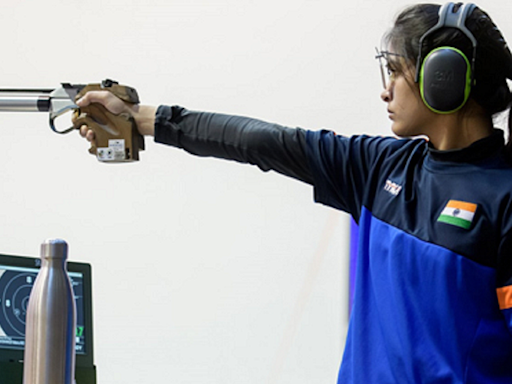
(144, 115)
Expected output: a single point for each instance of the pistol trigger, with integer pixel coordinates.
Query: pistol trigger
(53, 117)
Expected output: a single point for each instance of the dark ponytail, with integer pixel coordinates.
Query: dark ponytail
(493, 64)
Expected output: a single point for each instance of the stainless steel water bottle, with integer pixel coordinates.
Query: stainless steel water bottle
(51, 321)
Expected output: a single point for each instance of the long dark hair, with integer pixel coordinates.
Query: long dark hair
(493, 63)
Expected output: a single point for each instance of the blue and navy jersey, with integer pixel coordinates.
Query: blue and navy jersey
(433, 297)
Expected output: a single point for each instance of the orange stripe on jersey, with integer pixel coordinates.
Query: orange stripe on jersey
(505, 297)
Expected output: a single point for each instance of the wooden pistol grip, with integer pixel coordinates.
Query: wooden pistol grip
(116, 136)
(125, 93)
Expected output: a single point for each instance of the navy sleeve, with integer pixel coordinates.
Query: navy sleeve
(246, 140)
(343, 167)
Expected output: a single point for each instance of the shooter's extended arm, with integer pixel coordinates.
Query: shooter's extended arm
(117, 137)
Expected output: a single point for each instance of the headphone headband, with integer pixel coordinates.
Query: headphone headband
(450, 19)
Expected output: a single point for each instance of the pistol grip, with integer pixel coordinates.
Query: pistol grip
(116, 136)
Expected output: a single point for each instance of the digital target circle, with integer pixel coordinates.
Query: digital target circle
(15, 290)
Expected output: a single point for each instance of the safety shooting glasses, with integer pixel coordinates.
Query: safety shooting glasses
(387, 69)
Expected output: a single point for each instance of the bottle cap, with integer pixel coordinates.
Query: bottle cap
(55, 249)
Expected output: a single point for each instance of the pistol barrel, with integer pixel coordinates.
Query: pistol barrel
(15, 103)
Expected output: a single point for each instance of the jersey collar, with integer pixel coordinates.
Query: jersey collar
(480, 150)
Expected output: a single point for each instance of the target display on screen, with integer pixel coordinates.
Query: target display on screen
(15, 286)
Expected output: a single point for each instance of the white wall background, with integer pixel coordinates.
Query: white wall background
(205, 271)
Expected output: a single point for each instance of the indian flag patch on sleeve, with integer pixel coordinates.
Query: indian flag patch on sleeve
(458, 213)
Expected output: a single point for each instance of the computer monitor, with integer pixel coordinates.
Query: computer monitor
(17, 276)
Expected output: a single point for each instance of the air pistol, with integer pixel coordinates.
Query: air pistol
(117, 138)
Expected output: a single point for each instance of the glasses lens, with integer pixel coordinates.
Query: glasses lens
(385, 68)
(382, 67)
(384, 73)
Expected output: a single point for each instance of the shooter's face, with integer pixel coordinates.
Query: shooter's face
(409, 115)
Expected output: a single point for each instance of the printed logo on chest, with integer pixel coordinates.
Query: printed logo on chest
(392, 187)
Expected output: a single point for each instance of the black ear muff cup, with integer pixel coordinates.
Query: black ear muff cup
(445, 75)
(445, 80)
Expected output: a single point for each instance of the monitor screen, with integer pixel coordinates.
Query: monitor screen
(17, 277)
(15, 287)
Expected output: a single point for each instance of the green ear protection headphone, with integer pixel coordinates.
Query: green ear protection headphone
(446, 75)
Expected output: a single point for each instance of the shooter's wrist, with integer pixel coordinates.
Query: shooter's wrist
(144, 116)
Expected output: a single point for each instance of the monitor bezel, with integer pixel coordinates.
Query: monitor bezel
(82, 360)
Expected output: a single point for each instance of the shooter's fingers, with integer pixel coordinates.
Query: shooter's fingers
(107, 99)
(87, 133)
(83, 130)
